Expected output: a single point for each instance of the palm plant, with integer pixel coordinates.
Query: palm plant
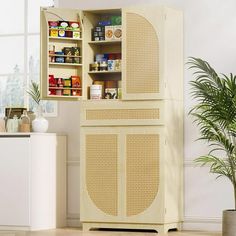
(34, 92)
(215, 115)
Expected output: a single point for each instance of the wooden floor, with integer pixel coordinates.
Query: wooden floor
(79, 232)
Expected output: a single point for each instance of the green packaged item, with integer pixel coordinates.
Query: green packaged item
(116, 20)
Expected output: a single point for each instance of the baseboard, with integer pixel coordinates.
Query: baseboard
(13, 228)
(205, 224)
(73, 220)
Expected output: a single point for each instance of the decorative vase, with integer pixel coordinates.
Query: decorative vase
(39, 124)
(228, 224)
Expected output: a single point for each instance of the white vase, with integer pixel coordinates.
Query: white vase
(39, 124)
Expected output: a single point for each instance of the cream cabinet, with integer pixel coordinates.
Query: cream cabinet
(131, 147)
(33, 181)
(131, 165)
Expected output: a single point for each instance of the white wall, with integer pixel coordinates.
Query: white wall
(210, 33)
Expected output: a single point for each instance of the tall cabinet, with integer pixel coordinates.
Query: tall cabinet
(132, 147)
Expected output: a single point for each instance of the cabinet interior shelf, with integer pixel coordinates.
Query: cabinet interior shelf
(104, 72)
(65, 38)
(63, 96)
(65, 30)
(107, 42)
(65, 88)
(64, 64)
(56, 55)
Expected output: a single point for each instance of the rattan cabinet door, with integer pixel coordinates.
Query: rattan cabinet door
(141, 50)
(99, 174)
(144, 148)
(121, 174)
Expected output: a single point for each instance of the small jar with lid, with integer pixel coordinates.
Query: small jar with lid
(103, 66)
(94, 66)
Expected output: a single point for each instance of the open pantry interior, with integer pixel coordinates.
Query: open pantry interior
(82, 54)
(103, 43)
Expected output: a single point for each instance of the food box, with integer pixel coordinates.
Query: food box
(63, 24)
(53, 32)
(59, 92)
(76, 35)
(116, 20)
(117, 32)
(52, 81)
(75, 81)
(111, 65)
(111, 93)
(66, 92)
(52, 92)
(61, 33)
(109, 32)
(67, 82)
(67, 51)
(53, 24)
(76, 92)
(74, 25)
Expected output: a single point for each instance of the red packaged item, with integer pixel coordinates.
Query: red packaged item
(76, 92)
(53, 24)
(75, 82)
(74, 25)
(52, 81)
(60, 82)
(52, 91)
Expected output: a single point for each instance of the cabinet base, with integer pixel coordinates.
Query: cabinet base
(160, 228)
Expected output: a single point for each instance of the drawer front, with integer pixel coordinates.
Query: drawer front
(117, 113)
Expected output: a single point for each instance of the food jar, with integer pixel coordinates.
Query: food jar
(94, 66)
(96, 92)
(103, 66)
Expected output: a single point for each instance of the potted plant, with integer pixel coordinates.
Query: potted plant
(39, 124)
(215, 115)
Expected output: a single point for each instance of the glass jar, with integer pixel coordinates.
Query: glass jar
(24, 122)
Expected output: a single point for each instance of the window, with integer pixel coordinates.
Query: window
(19, 46)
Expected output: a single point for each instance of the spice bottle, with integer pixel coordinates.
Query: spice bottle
(24, 122)
(15, 124)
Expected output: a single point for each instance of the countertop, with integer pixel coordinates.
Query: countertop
(19, 134)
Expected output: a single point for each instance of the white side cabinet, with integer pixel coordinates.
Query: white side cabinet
(33, 181)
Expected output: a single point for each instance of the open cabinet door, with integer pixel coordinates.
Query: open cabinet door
(61, 50)
(142, 53)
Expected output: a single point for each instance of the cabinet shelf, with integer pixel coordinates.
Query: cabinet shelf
(65, 38)
(104, 72)
(105, 42)
(65, 88)
(63, 96)
(64, 64)
(65, 30)
(56, 55)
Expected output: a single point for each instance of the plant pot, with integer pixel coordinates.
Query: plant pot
(229, 223)
(39, 124)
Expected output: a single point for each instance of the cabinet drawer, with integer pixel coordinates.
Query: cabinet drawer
(117, 113)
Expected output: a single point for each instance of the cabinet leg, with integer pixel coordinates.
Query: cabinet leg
(86, 227)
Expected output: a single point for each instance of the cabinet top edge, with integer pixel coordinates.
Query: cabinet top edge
(5, 134)
(103, 11)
